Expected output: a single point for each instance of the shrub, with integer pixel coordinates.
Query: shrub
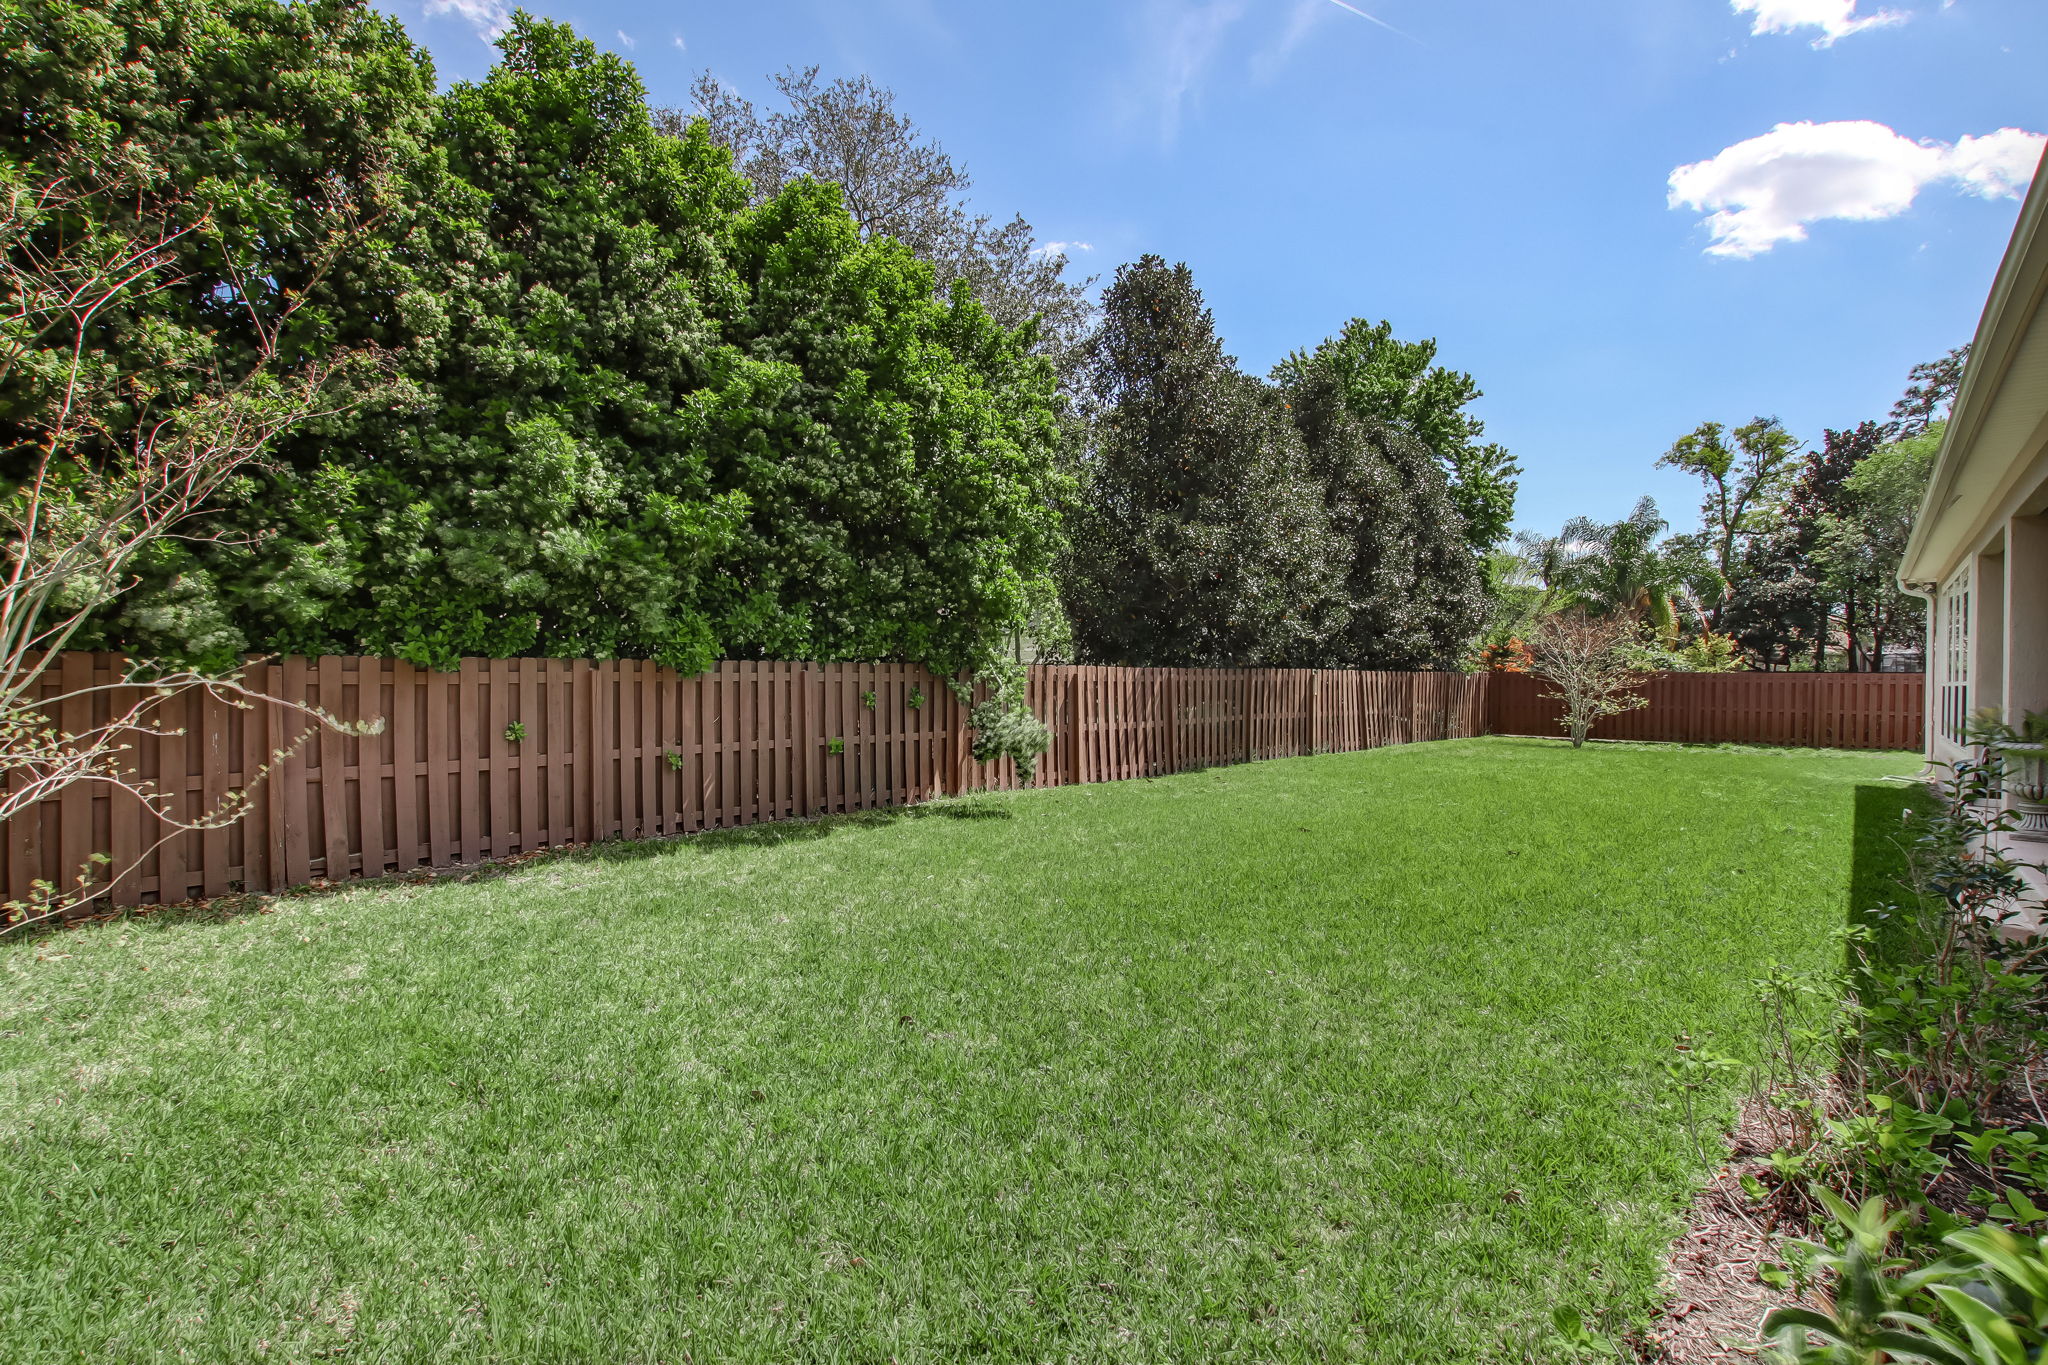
(1589, 666)
(1898, 1081)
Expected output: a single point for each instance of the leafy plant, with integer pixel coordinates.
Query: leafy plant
(915, 701)
(867, 699)
(1987, 1304)
(515, 733)
(1691, 1069)
(1006, 729)
(1989, 727)
(1572, 1338)
(835, 745)
(675, 759)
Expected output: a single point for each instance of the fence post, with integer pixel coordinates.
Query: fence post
(1250, 691)
(1315, 711)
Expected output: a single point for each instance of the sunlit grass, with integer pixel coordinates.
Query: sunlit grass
(1352, 1057)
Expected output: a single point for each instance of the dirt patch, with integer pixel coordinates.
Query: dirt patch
(1713, 1301)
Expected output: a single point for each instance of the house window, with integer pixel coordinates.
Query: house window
(1954, 644)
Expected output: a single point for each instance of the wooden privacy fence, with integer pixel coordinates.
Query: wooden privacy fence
(1819, 710)
(505, 756)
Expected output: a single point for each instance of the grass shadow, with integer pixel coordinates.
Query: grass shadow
(234, 906)
(1882, 833)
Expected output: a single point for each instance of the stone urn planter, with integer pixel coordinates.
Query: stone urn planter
(2026, 782)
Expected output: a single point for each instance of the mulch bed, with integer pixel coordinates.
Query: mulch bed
(1713, 1301)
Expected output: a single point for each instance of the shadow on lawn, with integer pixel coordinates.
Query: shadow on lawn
(1878, 862)
(234, 906)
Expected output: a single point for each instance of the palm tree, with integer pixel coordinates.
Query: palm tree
(1545, 561)
(1619, 568)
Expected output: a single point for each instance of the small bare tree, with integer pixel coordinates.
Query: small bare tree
(1590, 666)
(110, 463)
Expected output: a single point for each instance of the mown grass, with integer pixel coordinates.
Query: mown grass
(1354, 1057)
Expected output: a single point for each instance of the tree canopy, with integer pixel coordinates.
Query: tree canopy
(630, 407)
(687, 385)
(1222, 520)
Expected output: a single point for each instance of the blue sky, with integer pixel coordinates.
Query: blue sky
(1494, 173)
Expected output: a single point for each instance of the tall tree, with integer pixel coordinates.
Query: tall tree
(1741, 477)
(634, 416)
(1198, 536)
(1412, 593)
(1779, 603)
(896, 183)
(1930, 391)
(1398, 383)
(1859, 543)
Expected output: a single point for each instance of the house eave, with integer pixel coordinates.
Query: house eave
(1948, 523)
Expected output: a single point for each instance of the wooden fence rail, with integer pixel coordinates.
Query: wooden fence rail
(504, 756)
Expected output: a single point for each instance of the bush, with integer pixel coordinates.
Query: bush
(1904, 1081)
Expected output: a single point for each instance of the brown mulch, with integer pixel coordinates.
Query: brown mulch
(1713, 1301)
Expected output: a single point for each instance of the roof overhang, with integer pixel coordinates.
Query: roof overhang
(1996, 424)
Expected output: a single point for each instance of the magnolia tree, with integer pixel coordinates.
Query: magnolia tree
(1593, 666)
(106, 464)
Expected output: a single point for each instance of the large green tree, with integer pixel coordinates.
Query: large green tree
(1228, 521)
(1859, 545)
(539, 483)
(1780, 605)
(270, 126)
(1200, 535)
(1412, 589)
(1399, 384)
(896, 182)
(1742, 471)
(625, 410)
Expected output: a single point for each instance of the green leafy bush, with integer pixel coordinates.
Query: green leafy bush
(1896, 1081)
(1985, 1304)
(1005, 728)
(626, 413)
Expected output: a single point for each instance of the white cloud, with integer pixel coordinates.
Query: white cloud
(488, 17)
(1766, 190)
(1997, 165)
(1061, 248)
(1834, 18)
(626, 38)
(677, 39)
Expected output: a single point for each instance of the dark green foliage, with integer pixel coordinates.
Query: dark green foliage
(1003, 729)
(266, 118)
(1224, 521)
(1825, 565)
(545, 489)
(627, 413)
(1398, 384)
(1199, 537)
(1778, 605)
(1412, 589)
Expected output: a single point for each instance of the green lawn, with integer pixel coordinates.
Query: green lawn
(1353, 1057)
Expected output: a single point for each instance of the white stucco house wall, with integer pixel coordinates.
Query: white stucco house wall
(1979, 552)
